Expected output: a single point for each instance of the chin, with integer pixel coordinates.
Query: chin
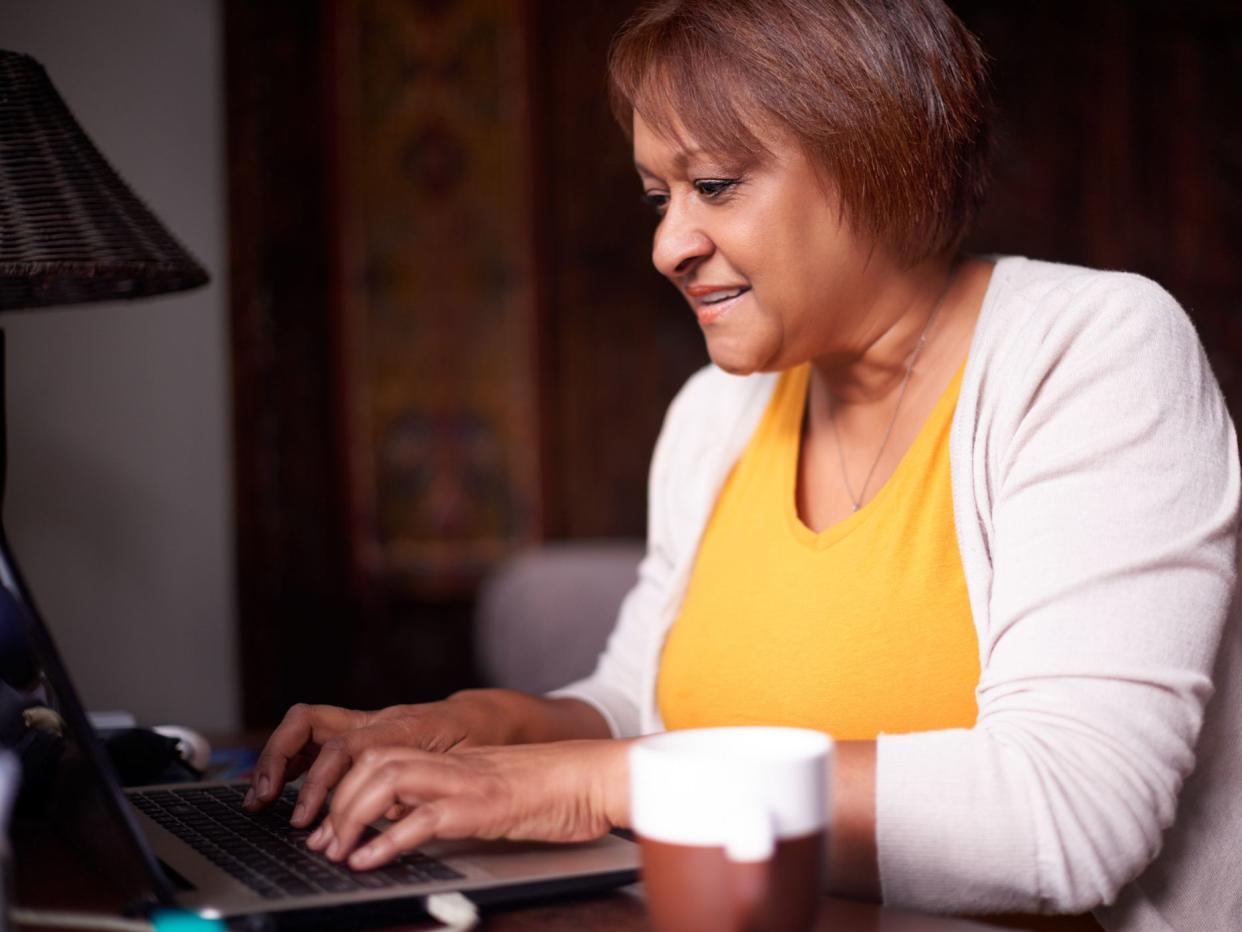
(739, 357)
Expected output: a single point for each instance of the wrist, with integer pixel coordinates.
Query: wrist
(507, 716)
(610, 790)
(494, 715)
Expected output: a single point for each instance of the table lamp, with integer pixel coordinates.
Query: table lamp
(71, 231)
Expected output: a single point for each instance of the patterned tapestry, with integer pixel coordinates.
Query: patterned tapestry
(440, 329)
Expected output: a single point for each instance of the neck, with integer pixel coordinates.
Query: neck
(873, 360)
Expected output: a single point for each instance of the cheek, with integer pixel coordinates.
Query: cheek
(788, 282)
(766, 256)
(814, 263)
(787, 244)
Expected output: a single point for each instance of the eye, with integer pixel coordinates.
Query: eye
(656, 200)
(714, 187)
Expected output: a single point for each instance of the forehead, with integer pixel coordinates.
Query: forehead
(668, 145)
(661, 147)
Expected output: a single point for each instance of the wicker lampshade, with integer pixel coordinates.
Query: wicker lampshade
(70, 229)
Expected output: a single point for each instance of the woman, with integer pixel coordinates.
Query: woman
(974, 517)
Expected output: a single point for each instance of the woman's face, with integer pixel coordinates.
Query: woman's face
(761, 252)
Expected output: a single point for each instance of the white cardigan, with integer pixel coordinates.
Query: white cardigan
(1096, 491)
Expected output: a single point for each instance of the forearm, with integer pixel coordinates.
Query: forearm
(853, 864)
(507, 716)
(513, 717)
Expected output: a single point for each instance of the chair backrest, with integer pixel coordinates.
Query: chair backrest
(544, 615)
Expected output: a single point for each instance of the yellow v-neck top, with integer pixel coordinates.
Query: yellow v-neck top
(862, 628)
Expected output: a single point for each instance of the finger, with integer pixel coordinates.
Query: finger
(367, 762)
(418, 828)
(374, 789)
(336, 758)
(294, 768)
(449, 818)
(301, 762)
(288, 740)
(333, 762)
(302, 725)
(321, 837)
(376, 795)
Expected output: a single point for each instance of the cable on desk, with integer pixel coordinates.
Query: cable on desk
(455, 911)
(164, 920)
(68, 920)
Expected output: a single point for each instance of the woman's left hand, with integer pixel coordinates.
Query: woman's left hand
(565, 791)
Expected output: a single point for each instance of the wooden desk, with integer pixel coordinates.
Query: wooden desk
(623, 911)
(49, 876)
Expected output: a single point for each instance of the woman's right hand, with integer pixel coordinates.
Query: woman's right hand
(324, 741)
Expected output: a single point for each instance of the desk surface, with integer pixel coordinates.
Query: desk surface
(51, 877)
(624, 911)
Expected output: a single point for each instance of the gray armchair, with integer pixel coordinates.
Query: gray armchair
(544, 615)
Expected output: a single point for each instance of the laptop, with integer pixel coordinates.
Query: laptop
(192, 846)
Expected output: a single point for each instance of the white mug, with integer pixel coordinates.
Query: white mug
(733, 824)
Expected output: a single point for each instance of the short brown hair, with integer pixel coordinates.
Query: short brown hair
(888, 96)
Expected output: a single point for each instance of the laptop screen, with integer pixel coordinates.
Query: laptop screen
(68, 781)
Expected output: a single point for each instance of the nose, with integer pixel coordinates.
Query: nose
(679, 243)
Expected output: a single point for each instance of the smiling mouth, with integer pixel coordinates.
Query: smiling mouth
(712, 306)
(719, 297)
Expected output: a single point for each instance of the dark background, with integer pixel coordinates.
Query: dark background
(1116, 147)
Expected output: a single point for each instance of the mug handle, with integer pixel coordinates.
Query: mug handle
(750, 848)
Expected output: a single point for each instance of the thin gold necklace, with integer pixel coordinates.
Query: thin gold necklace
(857, 500)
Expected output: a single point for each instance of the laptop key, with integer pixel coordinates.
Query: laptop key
(238, 871)
(297, 888)
(255, 859)
(319, 874)
(337, 884)
(371, 881)
(399, 873)
(438, 871)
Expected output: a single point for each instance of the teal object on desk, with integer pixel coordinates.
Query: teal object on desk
(176, 920)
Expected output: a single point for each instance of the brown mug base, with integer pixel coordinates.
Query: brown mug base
(694, 888)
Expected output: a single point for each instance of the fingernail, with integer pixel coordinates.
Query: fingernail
(299, 812)
(264, 784)
(249, 800)
(362, 857)
(315, 836)
(334, 848)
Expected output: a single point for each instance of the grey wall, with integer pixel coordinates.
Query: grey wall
(119, 498)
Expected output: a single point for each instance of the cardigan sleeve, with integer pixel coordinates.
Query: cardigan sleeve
(616, 687)
(1109, 510)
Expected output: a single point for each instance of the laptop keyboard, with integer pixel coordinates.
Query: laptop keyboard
(264, 851)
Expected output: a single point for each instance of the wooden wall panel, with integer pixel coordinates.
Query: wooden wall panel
(622, 340)
(1118, 146)
(297, 606)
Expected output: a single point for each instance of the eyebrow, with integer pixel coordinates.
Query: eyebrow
(680, 160)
